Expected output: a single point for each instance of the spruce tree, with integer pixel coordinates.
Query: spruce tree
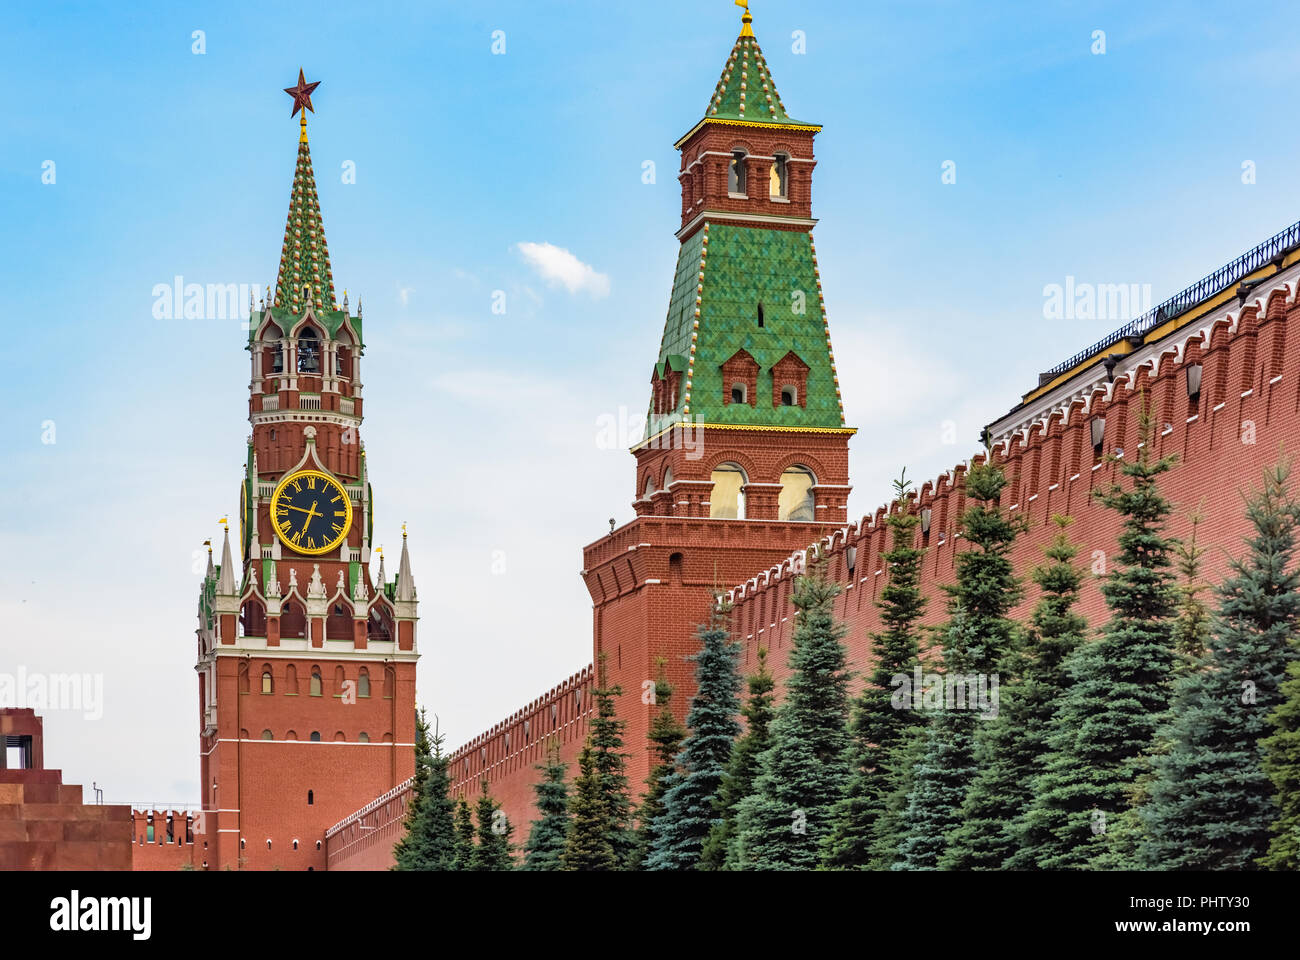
(1103, 734)
(665, 736)
(881, 732)
(544, 849)
(1282, 764)
(600, 833)
(587, 844)
(1191, 629)
(430, 839)
(690, 803)
(494, 833)
(1010, 746)
(976, 639)
(464, 836)
(719, 851)
(1211, 804)
(803, 771)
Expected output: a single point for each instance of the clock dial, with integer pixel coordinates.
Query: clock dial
(311, 512)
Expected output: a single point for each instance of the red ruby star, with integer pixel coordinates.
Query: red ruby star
(301, 94)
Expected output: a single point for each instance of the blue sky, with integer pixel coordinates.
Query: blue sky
(1117, 167)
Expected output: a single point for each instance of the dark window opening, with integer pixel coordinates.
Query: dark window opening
(311, 796)
(308, 352)
(760, 314)
(17, 753)
(737, 181)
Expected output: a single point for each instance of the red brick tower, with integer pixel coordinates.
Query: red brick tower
(306, 664)
(745, 456)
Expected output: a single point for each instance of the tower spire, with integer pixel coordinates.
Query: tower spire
(405, 582)
(305, 278)
(747, 19)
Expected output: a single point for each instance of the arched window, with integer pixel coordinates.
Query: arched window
(267, 735)
(796, 500)
(363, 683)
(363, 737)
(727, 500)
(315, 682)
(737, 181)
(291, 680)
(311, 797)
(308, 351)
(739, 393)
(379, 626)
(252, 619)
(668, 478)
(789, 395)
(779, 186)
(649, 489)
(268, 685)
(293, 621)
(315, 736)
(340, 678)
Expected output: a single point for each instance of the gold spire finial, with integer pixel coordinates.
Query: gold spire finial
(225, 522)
(747, 19)
(403, 529)
(302, 136)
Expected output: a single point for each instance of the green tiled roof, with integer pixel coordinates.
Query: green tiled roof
(331, 320)
(304, 258)
(724, 272)
(746, 90)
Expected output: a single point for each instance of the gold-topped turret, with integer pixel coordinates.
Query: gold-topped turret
(747, 30)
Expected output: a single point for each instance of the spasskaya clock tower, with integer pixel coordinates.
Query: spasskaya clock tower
(306, 661)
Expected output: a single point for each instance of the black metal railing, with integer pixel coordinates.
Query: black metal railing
(1184, 300)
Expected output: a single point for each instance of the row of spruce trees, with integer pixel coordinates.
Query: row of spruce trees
(1170, 739)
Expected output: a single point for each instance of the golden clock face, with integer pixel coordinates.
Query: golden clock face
(311, 512)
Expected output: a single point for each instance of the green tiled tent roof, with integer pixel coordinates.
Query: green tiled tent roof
(331, 320)
(304, 258)
(746, 90)
(723, 273)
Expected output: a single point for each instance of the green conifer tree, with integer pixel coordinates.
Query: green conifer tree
(464, 836)
(1282, 764)
(587, 844)
(600, 813)
(665, 736)
(493, 851)
(977, 638)
(689, 811)
(1191, 630)
(719, 852)
(1102, 736)
(1212, 803)
(881, 731)
(1010, 746)
(544, 849)
(803, 772)
(430, 839)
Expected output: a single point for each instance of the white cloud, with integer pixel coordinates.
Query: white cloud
(404, 294)
(558, 265)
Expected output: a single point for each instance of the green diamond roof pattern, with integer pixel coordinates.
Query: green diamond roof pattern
(746, 90)
(732, 269)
